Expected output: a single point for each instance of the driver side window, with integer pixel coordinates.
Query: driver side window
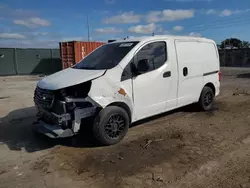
(155, 53)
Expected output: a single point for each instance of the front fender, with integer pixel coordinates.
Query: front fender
(105, 91)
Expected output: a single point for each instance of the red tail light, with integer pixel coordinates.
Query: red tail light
(219, 74)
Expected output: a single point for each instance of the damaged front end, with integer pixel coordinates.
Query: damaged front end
(62, 112)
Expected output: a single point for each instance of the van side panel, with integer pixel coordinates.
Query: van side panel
(211, 60)
(191, 58)
(172, 93)
(211, 65)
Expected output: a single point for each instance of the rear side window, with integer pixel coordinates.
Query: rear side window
(156, 54)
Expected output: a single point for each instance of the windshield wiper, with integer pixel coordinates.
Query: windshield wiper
(87, 68)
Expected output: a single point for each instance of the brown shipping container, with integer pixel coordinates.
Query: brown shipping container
(74, 51)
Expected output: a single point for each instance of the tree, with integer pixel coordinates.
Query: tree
(234, 43)
(245, 44)
(231, 43)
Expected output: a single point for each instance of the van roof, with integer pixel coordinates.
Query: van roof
(156, 37)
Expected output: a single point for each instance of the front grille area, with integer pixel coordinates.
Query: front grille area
(43, 98)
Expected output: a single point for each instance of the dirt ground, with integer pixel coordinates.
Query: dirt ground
(183, 148)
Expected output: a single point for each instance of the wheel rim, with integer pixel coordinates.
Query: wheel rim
(208, 99)
(115, 126)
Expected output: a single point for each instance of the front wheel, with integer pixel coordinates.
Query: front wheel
(206, 99)
(111, 125)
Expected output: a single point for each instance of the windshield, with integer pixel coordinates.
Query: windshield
(106, 57)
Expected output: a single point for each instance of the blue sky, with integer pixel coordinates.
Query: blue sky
(33, 23)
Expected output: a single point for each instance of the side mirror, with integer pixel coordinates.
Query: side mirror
(143, 66)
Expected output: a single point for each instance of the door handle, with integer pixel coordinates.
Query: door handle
(185, 71)
(166, 74)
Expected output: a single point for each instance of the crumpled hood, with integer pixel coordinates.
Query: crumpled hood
(68, 77)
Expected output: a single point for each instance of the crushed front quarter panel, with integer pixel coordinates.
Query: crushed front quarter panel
(107, 90)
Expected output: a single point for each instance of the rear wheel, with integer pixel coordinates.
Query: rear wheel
(111, 125)
(206, 99)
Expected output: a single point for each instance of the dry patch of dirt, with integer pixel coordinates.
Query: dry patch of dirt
(187, 151)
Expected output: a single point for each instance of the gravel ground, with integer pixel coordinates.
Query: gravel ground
(183, 148)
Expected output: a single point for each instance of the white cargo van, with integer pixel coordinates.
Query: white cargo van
(125, 81)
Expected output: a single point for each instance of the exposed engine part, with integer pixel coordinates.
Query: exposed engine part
(81, 113)
(54, 130)
(70, 99)
(63, 111)
(77, 91)
(53, 117)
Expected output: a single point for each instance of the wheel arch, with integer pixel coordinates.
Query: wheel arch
(123, 106)
(211, 85)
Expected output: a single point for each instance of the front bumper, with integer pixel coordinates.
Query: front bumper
(53, 117)
(64, 124)
(52, 131)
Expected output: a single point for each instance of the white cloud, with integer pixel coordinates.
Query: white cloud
(160, 30)
(178, 28)
(169, 15)
(33, 22)
(108, 30)
(226, 12)
(11, 36)
(40, 22)
(154, 16)
(64, 39)
(40, 33)
(31, 41)
(195, 34)
(125, 18)
(31, 44)
(211, 11)
(172, 15)
(143, 29)
(11, 13)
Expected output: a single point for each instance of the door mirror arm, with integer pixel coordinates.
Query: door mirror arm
(134, 69)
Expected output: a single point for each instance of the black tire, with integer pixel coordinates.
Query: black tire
(106, 128)
(206, 99)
